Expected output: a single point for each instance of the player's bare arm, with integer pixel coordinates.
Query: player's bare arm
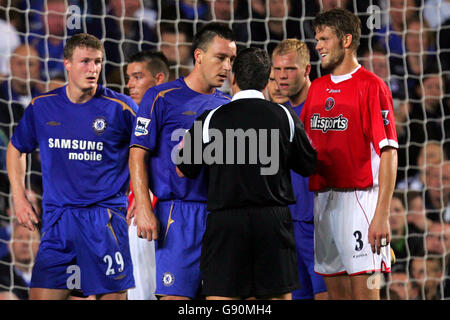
(379, 228)
(16, 164)
(145, 220)
(131, 212)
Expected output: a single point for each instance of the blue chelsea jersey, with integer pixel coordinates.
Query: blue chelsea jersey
(165, 113)
(83, 147)
(303, 210)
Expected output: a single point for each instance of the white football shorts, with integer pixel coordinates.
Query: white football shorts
(144, 266)
(341, 226)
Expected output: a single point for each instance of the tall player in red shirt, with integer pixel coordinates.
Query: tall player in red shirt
(349, 117)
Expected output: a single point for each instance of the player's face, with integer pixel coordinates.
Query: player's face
(139, 80)
(216, 61)
(331, 49)
(290, 74)
(84, 67)
(274, 90)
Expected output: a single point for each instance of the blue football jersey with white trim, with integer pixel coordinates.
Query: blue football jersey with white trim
(303, 209)
(83, 147)
(165, 113)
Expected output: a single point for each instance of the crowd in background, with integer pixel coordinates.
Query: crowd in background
(405, 42)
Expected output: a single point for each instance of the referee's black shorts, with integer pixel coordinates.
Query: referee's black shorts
(249, 252)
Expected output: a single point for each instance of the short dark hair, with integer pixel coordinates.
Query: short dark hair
(251, 69)
(342, 22)
(156, 61)
(83, 40)
(208, 32)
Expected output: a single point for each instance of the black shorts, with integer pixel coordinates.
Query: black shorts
(249, 252)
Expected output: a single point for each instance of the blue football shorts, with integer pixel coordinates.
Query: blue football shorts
(178, 248)
(85, 249)
(311, 282)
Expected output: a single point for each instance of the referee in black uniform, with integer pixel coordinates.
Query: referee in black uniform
(248, 146)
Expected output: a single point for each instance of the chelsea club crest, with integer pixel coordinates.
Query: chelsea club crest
(168, 279)
(99, 125)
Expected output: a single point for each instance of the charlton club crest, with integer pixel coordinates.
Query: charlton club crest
(99, 125)
(329, 103)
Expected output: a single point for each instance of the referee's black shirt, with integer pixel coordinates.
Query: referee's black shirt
(237, 143)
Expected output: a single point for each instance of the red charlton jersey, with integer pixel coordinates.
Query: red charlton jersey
(349, 119)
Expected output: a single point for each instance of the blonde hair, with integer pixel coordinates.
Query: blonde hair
(288, 45)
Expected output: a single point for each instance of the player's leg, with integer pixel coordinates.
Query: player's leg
(54, 272)
(122, 295)
(222, 298)
(274, 253)
(302, 244)
(48, 294)
(327, 260)
(312, 284)
(103, 253)
(321, 296)
(172, 297)
(361, 264)
(226, 263)
(178, 249)
(361, 288)
(339, 287)
(165, 212)
(144, 266)
(286, 296)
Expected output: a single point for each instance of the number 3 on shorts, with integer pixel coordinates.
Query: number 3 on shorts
(359, 243)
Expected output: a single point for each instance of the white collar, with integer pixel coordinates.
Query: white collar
(337, 79)
(248, 94)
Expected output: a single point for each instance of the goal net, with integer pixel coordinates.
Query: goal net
(406, 43)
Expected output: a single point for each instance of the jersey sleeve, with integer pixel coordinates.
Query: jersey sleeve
(379, 121)
(129, 115)
(148, 122)
(24, 137)
(187, 162)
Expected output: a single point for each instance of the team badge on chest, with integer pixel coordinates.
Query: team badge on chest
(99, 125)
(329, 103)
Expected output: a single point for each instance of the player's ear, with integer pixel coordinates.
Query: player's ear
(160, 77)
(307, 70)
(234, 86)
(67, 64)
(265, 91)
(233, 78)
(347, 41)
(198, 54)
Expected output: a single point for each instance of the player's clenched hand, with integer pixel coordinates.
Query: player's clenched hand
(25, 213)
(379, 234)
(147, 223)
